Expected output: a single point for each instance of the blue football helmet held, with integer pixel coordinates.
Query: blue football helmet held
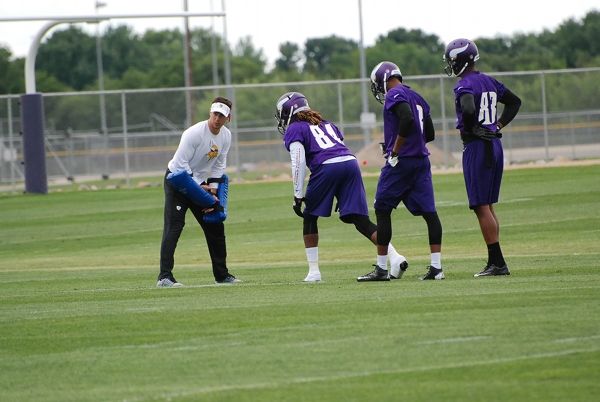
(380, 75)
(288, 105)
(459, 54)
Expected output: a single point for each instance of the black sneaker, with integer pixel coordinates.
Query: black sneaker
(403, 268)
(377, 274)
(433, 273)
(493, 270)
(229, 280)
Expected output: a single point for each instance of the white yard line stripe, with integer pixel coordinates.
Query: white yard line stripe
(454, 340)
(577, 339)
(342, 376)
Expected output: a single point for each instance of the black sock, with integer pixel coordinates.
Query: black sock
(495, 255)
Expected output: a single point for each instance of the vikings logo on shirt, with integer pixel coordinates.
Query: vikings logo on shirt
(214, 151)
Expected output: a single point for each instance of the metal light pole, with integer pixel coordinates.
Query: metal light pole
(187, 69)
(367, 120)
(230, 91)
(213, 50)
(100, 68)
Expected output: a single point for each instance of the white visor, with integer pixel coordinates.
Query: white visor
(220, 108)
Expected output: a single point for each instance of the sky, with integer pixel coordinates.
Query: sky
(271, 22)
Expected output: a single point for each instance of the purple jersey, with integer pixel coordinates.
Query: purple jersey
(415, 140)
(321, 142)
(486, 91)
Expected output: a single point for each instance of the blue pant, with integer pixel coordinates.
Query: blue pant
(341, 180)
(408, 182)
(482, 170)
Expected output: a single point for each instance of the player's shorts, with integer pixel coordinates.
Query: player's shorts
(483, 176)
(408, 182)
(342, 181)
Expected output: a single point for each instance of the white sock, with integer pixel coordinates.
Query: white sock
(382, 261)
(436, 260)
(392, 253)
(312, 256)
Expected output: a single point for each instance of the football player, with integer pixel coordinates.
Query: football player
(319, 144)
(476, 98)
(406, 175)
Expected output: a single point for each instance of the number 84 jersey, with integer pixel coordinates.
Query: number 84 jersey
(321, 142)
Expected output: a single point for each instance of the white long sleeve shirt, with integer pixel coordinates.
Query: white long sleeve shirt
(202, 153)
(298, 157)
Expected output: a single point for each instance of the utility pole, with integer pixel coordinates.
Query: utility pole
(100, 67)
(187, 69)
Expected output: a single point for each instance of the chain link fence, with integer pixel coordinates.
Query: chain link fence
(559, 118)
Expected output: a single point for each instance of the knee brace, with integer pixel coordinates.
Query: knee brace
(434, 227)
(362, 223)
(310, 224)
(384, 226)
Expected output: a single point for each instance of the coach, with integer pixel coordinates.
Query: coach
(202, 154)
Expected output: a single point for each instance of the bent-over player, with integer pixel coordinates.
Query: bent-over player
(334, 173)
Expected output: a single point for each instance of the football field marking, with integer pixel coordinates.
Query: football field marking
(342, 376)
(454, 340)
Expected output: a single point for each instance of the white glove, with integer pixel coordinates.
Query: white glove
(393, 159)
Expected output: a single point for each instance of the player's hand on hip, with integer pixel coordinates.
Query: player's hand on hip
(392, 159)
(297, 206)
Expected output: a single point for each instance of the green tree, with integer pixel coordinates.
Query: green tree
(122, 50)
(69, 55)
(248, 63)
(577, 42)
(330, 57)
(290, 57)
(12, 71)
(429, 42)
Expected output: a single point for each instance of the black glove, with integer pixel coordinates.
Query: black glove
(485, 133)
(297, 206)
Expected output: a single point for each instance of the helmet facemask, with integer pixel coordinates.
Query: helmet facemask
(288, 105)
(380, 75)
(460, 54)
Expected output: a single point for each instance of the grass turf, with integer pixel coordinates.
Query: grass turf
(82, 321)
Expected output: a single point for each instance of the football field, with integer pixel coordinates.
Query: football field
(82, 320)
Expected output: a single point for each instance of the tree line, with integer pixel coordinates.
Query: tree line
(66, 61)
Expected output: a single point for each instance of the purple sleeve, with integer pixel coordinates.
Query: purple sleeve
(393, 97)
(463, 87)
(500, 88)
(293, 133)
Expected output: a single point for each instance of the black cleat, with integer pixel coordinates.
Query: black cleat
(493, 270)
(403, 268)
(433, 273)
(377, 274)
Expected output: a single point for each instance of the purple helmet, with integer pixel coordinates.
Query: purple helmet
(380, 75)
(459, 54)
(288, 105)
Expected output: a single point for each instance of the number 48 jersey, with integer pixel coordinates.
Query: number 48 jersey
(321, 142)
(486, 91)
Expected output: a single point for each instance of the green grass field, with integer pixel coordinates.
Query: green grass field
(81, 319)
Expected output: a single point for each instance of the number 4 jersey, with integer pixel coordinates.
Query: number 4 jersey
(321, 142)
(414, 144)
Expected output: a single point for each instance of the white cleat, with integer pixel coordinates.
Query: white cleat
(398, 267)
(313, 277)
(168, 283)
